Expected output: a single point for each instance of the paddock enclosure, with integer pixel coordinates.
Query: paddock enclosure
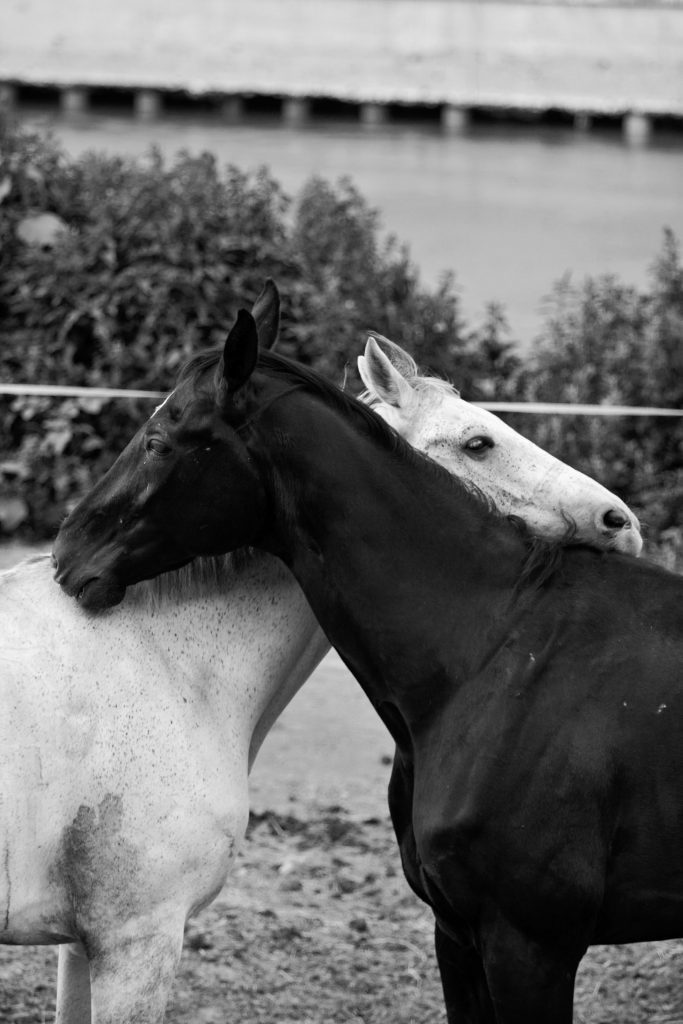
(319, 924)
(501, 668)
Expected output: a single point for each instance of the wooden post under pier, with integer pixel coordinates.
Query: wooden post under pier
(147, 104)
(373, 114)
(295, 110)
(637, 128)
(74, 101)
(583, 122)
(8, 98)
(232, 109)
(454, 120)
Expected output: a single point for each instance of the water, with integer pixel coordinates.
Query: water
(508, 209)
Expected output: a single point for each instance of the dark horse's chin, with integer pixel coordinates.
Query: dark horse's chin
(100, 593)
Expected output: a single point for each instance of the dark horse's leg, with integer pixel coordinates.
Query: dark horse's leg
(464, 983)
(529, 982)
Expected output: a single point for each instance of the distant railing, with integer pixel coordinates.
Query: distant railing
(535, 408)
(67, 391)
(568, 409)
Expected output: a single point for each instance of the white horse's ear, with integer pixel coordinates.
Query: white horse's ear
(382, 378)
(398, 356)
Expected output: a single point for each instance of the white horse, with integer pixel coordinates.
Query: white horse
(126, 740)
(519, 477)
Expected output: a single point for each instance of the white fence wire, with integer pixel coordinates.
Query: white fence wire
(535, 408)
(68, 391)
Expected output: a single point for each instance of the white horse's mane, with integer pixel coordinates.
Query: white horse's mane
(12, 570)
(420, 384)
(408, 368)
(203, 577)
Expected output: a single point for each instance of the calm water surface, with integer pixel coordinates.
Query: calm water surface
(509, 210)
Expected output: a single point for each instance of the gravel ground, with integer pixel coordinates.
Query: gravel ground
(318, 925)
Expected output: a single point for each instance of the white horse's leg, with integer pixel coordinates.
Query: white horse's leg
(131, 979)
(73, 985)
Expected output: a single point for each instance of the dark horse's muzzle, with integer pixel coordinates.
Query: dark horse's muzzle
(93, 590)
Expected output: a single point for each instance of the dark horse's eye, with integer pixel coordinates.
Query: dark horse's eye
(159, 447)
(478, 445)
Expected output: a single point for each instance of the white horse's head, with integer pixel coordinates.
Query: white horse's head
(519, 477)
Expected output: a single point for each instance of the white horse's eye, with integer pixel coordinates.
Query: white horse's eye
(478, 445)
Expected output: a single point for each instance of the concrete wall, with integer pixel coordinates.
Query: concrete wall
(590, 56)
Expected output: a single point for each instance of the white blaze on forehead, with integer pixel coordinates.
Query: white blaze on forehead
(160, 407)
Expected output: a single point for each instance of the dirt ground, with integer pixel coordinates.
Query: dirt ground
(316, 923)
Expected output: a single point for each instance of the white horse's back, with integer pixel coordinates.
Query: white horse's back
(125, 742)
(125, 746)
(35, 747)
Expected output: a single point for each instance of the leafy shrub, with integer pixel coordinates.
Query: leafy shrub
(150, 265)
(605, 342)
(113, 272)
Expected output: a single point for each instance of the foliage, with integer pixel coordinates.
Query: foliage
(605, 342)
(113, 272)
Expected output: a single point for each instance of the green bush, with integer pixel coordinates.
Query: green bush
(141, 264)
(605, 342)
(113, 272)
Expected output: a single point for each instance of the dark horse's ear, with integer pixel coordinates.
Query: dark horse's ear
(266, 313)
(239, 355)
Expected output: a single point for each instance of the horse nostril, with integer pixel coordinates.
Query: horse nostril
(615, 520)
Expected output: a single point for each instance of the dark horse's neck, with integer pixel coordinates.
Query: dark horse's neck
(408, 573)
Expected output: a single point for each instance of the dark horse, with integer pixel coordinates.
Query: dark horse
(535, 695)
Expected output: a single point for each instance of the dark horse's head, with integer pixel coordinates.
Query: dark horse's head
(184, 486)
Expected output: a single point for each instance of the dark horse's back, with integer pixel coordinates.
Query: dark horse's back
(556, 768)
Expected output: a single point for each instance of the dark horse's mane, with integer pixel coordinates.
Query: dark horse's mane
(543, 558)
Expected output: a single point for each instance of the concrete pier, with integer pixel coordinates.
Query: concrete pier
(584, 57)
